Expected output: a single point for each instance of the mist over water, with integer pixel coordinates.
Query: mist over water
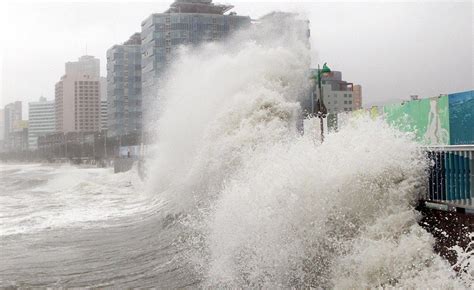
(235, 195)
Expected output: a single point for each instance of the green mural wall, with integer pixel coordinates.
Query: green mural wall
(428, 118)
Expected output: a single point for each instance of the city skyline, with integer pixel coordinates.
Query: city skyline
(445, 67)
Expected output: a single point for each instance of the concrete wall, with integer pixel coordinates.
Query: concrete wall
(428, 118)
(442, 120)
(461, 118)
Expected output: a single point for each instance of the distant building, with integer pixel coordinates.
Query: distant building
(186, 22)
(103, 115)
(78, 95)
(2, 128)
(19, 138)
(42, 120)
(124, 88)
(286, 23)
(12, 124)
(338, 95)
(357, 94)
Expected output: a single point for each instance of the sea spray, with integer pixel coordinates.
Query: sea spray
(218, 101)
(263, 206)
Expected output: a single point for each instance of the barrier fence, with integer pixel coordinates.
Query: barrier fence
(451, 176)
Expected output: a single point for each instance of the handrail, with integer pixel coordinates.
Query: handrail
(451, 175)
(450, 147)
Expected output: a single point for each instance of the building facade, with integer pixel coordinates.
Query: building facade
(357, 94)
(12, 124)
(186, 22)
(338, 95)
(103, 115)
(78, 95)
(2, 129)
(42, 121)
(124, 88)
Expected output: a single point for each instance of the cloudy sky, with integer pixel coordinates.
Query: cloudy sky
(393, 49)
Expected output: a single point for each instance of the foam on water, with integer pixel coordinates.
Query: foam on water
(66, 196)
(265, 206)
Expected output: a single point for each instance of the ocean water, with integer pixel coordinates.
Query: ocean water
(235, 196)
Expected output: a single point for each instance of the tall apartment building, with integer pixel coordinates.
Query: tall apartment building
(103, 115)
(124, 87)
(2, 128)
(338, 95)
(78, 95)
(12, 124)
(103, 103)
(186, 22)
(357, 93)
(42, 120)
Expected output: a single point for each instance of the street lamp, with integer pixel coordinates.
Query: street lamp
(320, 108)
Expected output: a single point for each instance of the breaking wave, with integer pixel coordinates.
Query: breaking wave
(261, 204)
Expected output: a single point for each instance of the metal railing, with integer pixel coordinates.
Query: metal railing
(451, 175)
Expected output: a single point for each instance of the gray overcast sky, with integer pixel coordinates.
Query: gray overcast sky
(393, 49)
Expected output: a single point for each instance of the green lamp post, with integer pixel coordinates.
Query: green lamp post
(320, 108)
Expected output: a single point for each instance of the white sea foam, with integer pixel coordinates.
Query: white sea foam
(67, 196)
(265, 206)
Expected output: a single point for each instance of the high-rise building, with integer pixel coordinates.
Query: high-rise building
(357, 93)
(338, 95)
(186, 22)
(124, 87)
(2, 128)
(77, 96)
(103, 115)
(12, 124)
(103, 103)
(41, 120)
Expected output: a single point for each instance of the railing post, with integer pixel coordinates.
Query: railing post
(448, 176)
(465, 169)
(471, 169)
(442, 185)
(451, 176)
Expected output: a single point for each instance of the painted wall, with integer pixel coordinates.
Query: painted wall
(428, 118)
(461, 118)
(443, 120)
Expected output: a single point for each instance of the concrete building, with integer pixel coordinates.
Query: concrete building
(12, 124)
(103, 103)
(78, 95)
(2, 128)
(42, 121)
(186, 22)
(338, 95)
(19, 138)
(124, 87)
(103, 115)
(357, 94)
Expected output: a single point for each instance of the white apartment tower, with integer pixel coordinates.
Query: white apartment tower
(41, 120)
(78, 95)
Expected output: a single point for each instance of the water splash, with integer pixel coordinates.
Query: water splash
(265, 207)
